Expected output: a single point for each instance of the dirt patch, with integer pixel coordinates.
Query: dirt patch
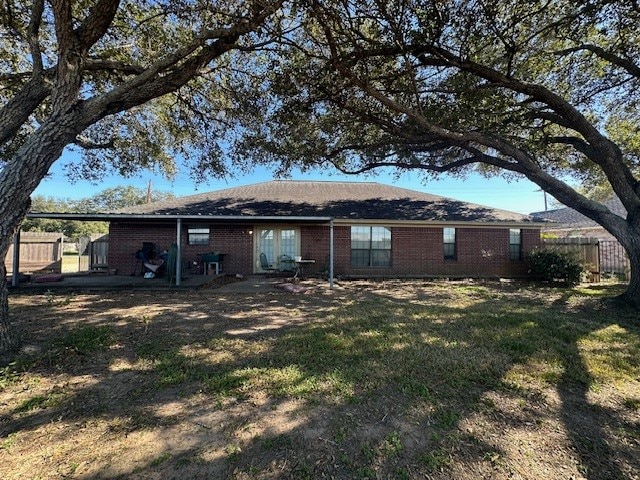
(372, 380)
(222, 280)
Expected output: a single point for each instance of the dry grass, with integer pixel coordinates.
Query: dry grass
(372, 380)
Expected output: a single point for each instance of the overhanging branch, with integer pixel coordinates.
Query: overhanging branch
(172, 71)
(33, 36)
(579, 144)
(617, 60)
(18, 110)
(89, 144)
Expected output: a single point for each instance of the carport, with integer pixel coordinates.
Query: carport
(179, 220)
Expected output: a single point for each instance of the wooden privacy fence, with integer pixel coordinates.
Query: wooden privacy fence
(94, 250)
(597, 256)
(39, 251)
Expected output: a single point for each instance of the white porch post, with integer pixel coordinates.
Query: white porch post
(331, 253)
(15, 274)
(178, 252)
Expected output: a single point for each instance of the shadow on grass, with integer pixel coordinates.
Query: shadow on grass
(366, 383)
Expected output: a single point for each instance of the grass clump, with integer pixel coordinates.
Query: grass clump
(85, 340)
(40, 402)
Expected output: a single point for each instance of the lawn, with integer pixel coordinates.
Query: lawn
(374, 380)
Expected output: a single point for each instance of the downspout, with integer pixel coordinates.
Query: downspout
(331, 253)
(178, 252)
(15, 275)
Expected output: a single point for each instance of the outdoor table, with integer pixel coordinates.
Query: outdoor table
(212, 262)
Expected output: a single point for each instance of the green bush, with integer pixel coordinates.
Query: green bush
(550, 266)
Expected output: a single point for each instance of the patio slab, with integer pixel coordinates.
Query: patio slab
(88, 282)
(100, 281)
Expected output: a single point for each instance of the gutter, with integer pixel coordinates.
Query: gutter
(110, 217)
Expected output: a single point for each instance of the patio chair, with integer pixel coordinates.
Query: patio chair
(151, 264)
(265, 265)
(287, 264)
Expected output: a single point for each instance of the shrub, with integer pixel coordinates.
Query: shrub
(550, 266)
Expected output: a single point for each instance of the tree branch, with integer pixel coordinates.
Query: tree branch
(172, 71)
(98, 64)
(624, 63)
(96, 23)
(608, 156)
(552, 117)
(67, 82)
(74, 45)
(17, 110)
(8, 78)
(408, 165)
(89, 144)
(33, 35)
(577, 143)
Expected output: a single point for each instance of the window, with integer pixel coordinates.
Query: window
(515, 244)
(370, 247)
(449, 241)
(198, 235)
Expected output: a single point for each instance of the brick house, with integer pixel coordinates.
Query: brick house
(567, 225)
(368, 230)
(566, 222)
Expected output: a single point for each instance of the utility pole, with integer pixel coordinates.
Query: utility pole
(545, 199)
(149, 193)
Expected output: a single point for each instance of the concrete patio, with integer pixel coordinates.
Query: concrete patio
(88, 282)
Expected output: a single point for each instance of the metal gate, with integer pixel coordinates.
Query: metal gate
(599, 257)
(614, 260)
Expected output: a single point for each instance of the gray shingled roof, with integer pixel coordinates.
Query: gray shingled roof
(341, 200)
(569, 218)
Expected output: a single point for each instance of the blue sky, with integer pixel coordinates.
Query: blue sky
(518, 196)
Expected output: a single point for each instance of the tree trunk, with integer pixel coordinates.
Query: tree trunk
(632, 294)
(18, 179)
(9, 224)
(7, 338)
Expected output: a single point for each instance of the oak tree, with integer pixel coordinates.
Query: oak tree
(543, 90)
(128, 84)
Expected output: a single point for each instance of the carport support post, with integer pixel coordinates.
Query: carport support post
(331, 253)
(15, 274)
(178, 252)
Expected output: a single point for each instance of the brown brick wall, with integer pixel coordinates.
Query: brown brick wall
(416, 251)
(126, 239)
